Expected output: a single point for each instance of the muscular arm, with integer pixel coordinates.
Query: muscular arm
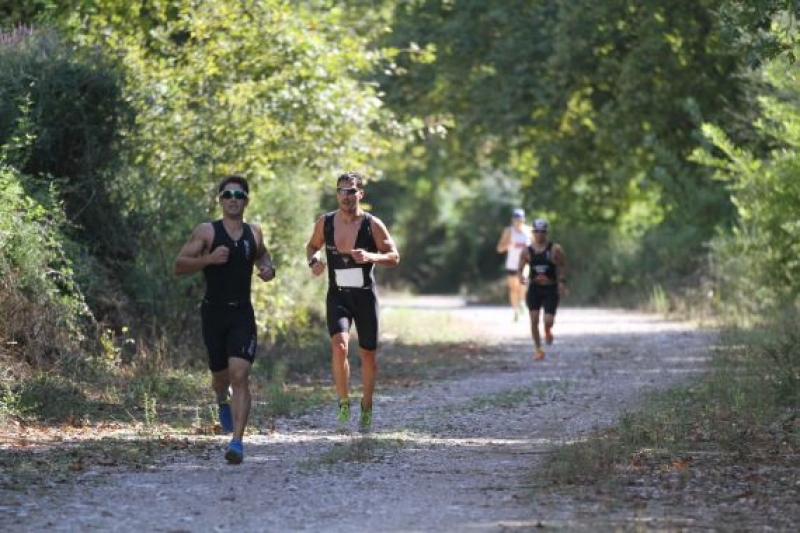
(560, 259)
(266, 270)
(387, 254)
(314, 245)
(194, 255)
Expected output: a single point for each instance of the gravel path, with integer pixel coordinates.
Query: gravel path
(449, 456)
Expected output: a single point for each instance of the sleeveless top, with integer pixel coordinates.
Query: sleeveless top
(517, 242)
(343, 271)
(543, 270)
(230, 283)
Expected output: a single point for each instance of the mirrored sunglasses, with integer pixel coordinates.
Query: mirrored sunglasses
(237, 194)
(346, 190)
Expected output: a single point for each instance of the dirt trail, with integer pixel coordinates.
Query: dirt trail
(454, 455)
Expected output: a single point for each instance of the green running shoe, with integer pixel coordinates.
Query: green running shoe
(344, 412)
(365, 420)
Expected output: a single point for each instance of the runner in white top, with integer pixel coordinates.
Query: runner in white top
(514, 239)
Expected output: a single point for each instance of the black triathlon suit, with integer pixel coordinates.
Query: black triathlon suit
(229, 323)
(543, 286)
(351, 287)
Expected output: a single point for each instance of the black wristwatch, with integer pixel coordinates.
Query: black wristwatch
(313, 261)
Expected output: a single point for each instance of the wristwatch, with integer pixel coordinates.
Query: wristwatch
(313, 261)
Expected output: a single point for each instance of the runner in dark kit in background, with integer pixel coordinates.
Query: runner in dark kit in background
(548, 278)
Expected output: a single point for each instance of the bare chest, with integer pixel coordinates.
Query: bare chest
(345, 234)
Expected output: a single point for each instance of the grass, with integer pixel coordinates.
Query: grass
(746, 406)
(362, 449)
(422, 326)
(50, 464)
(427, 344)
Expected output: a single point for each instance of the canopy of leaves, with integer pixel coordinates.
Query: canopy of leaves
(568, 94)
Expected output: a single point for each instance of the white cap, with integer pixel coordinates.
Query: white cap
(518, 213)
(540, 224)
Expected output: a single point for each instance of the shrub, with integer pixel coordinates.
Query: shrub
(43, 315)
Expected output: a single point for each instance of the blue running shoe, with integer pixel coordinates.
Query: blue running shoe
(226, 417)
(235, 452)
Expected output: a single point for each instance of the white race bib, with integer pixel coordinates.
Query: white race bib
(349, 277)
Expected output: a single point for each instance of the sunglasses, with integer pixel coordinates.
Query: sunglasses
(540, 231)
(349, 191)
(228, 194)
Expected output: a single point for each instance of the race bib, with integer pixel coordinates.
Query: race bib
(349, 277)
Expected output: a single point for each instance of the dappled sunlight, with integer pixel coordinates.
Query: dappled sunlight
(407, 438)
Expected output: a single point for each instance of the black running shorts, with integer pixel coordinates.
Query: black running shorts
(228, 331)
(542, 296)
(345, 306)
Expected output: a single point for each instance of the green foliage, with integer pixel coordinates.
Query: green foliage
(71, 107)
(266, 89)
(52, 397)
(757, 266)
(760, 30)
(566, 101)
(17, 12)
(43, 315)
(779, 351)
(448, 234)
(567, 97)
(61, 115)
(301, 350)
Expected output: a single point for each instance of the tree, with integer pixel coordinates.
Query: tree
(267, 89)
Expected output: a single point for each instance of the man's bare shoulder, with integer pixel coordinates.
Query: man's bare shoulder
(204, 230)
(377, 222)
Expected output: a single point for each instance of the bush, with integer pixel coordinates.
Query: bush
(43, 315)
(61, 115)
(73, 106)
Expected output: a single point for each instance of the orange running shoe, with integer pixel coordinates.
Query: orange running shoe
(539, 354)
(548, 338)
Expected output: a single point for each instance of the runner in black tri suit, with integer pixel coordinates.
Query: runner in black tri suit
(548, 277)
(227, 250)
(354, 241)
